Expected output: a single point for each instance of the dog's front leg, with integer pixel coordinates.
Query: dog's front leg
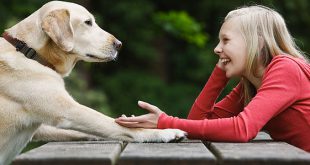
(49, 133)
(84, 119)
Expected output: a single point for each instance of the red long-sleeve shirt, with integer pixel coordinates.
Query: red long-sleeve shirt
(281, 105)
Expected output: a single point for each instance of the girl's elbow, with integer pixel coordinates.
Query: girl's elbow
(246, 138)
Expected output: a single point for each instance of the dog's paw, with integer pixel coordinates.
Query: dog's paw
(172, 135)
(164, 135)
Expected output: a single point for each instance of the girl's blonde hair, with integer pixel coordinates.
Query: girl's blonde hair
(266, 35)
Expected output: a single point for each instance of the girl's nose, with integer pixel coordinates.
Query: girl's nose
(217, 49)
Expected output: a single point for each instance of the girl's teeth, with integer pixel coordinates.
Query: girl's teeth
(225, 61)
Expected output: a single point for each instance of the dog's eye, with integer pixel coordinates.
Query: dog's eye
(88, 22)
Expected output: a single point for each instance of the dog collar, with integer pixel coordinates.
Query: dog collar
(20, 46)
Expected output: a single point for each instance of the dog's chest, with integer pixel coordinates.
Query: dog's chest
(14, 145)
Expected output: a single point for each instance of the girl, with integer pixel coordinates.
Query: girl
(273, 94)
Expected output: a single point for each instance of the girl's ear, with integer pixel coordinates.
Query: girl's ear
(261, 43)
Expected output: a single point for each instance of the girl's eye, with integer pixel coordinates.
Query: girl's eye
(225, 40)
(88, 22)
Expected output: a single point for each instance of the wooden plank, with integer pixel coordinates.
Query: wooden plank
(166, 153)
(190, 141)
(259, 152)
(72, 153)
(261, 136)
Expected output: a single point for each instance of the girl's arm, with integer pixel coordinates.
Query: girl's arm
(202, 108)
(205, 107)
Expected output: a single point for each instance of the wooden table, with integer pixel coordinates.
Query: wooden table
(262, 150)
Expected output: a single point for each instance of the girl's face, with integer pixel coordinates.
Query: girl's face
(231, 49)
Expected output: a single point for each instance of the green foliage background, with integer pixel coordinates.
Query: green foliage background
(167, 53)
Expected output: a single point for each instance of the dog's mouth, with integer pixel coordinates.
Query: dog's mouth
(110, 58)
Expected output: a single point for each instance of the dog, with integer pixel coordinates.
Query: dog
(35, 55)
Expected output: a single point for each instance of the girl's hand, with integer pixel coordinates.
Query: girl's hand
(220, 64)
(149, 120)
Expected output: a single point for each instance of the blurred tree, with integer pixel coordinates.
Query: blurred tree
(181, 25)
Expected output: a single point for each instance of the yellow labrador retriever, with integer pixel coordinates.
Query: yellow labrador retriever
(34, 56)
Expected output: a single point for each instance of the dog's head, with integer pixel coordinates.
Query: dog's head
(74, 30)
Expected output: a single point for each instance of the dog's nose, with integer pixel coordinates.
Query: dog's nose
(117, 44)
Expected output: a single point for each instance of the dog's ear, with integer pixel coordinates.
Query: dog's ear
(56, 24)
